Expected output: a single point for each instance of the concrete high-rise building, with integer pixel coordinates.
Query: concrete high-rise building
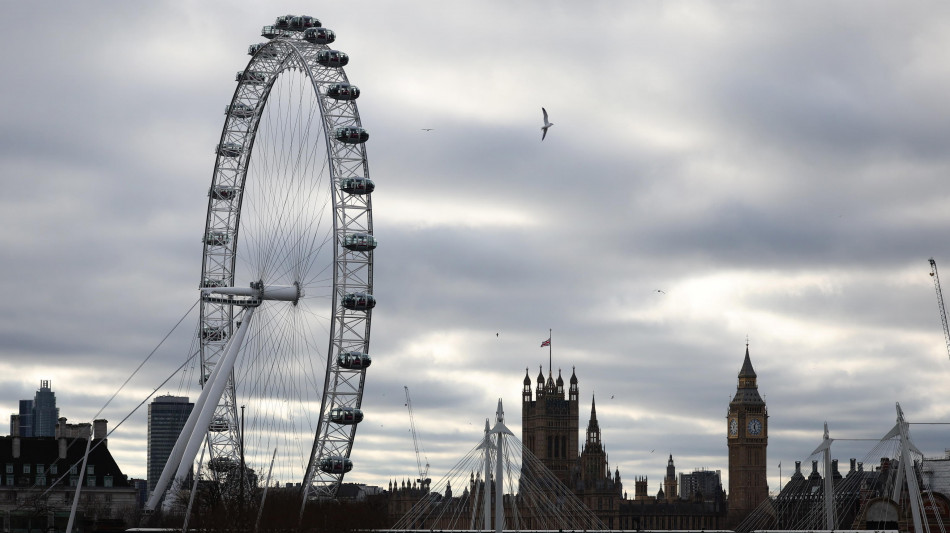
(707, 483)
(45, 412)
(166, 418)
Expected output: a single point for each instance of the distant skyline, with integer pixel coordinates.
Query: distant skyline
(720, 173)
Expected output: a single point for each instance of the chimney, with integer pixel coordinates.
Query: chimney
(16, 447)
(62, 448)
(60, 427)
(100, 429)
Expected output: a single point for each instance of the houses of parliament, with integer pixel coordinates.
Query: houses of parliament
(550, 416)
(550, 424)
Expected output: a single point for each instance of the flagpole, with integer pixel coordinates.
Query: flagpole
(780, 477)
(549, 353)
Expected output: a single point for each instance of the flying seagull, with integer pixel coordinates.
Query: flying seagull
(544, 129)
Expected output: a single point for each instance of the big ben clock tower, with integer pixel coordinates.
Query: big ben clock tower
(747, 431)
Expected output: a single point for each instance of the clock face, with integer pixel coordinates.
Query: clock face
(755, 427)
(733, 427)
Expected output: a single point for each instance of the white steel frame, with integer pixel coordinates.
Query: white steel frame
(352, 270)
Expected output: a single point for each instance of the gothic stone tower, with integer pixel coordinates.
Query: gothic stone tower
(593, 483)
(747, 431)
(669, 482)
(549, 423)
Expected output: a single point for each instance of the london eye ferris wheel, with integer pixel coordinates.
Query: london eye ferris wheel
(287, 269)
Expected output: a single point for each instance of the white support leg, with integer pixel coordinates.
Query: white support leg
(215, 388)
(174, 458)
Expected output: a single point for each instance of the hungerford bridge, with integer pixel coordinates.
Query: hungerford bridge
(523, 495)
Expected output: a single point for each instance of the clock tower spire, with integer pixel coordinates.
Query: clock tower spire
(747, 436)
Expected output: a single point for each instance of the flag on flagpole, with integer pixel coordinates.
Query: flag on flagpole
(546, 343)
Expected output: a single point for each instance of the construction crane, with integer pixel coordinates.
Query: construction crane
(423, 480)
(940, 306)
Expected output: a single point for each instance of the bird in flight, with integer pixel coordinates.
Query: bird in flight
(661, 291)
(547, 124)
(426, 129)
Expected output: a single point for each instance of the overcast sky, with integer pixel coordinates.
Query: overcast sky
(778, 170)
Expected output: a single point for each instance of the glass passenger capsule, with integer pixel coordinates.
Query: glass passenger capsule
(332, 58)
(254, 48)
(251, 76)
(269, 32)
(213, 282)
(336, 464)
(359, 242)
(223, 192)
(350, 135)
(283, 22)
(240, 110)
(354, 360)
(343, 91)
(218, 425)
(359, 301)
(229, 149)
(213, 333)
(218, 238)
(303, 22)
(319, 35)
(346, 416)
(357, 185)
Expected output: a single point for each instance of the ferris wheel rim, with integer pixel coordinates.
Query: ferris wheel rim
(274, 59)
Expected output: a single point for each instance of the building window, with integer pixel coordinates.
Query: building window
(40, 469)
(41, 480)
(9, 481)
(91, 481)
(26, 468)
(9, 468)
(90, 470)
(107, 481)
(74, 469)
(53, 469)
(73, 481)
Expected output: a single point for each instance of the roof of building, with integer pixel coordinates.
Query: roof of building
(46, 451)
(747, 371)
(747, 394)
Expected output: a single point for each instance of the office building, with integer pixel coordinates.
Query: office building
(166, 417)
